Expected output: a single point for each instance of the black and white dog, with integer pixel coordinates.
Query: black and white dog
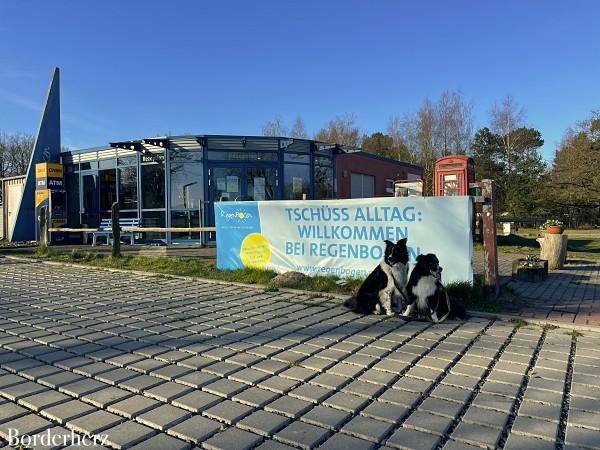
(382, 291)
(426, 292)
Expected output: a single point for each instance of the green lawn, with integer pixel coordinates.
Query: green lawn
(582, 243)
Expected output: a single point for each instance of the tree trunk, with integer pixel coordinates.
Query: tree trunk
(554, 249)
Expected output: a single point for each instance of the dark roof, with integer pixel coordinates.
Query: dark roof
(383, 158)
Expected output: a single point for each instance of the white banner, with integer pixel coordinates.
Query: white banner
(344, 237)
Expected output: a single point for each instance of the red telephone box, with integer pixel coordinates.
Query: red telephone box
(453, 174)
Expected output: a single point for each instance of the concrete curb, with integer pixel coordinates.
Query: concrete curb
(480, 314)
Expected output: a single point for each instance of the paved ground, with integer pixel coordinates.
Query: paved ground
(155, 362)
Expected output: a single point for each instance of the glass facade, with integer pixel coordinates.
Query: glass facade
(177, 186)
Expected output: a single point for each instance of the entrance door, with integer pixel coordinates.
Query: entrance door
(89, 200)
(249, 182)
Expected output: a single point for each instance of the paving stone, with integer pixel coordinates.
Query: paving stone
(60, 379)
(519, 442)
(311, 393)
(325, 417)
(488, 417)
(197, 401)
(197, 379)
(584, 419)
(330, 380)
(383, 410)
(163, 417)
(141, 383)
(94, 422)
(232, 439)
(363, 389)
(161, 442)
(227, 411)
(255, 396)
(424, 421)
(10, 411)
(278, 384)
(64, 412)
(303, 435)
(25, 389)
(407, 438)
(367, 428)
(133, 406)
(491, 401)
(39, 372)
(412, 384)
(9, 380)
(451, 393)
(195, 429)
(167, 391)
(263, 423)
(43, 400)
(26, 425)
(107, 396)
(289, 406)
(225, 387)
(342, 441)
(541, 411)
(116, 376)
(400, 397)
(582, 437)
(127, 434)
(347, 402)
(476, 434)
(81, 388)
(274, 445)
(535, 427)
(451, 444)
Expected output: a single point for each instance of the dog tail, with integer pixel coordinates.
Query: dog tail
(457, 309)
(351, 304)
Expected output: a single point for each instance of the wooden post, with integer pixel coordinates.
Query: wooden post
(43, 227)
(116, 230)
(490, 251)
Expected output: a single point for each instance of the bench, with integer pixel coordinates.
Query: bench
(105, 229)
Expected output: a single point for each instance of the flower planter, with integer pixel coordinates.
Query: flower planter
(530, 274)
(554, 229)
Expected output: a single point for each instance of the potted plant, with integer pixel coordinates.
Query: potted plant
(531, 269)
(553, 226)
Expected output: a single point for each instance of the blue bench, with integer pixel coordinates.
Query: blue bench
(105, 229)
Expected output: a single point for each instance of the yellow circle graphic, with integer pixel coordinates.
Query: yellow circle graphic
(255, 251)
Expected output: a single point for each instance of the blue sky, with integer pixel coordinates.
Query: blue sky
(133, 69)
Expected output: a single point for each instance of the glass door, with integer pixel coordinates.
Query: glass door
(90, 211)
(260, 183)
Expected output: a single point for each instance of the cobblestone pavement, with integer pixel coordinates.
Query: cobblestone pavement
(160, 363)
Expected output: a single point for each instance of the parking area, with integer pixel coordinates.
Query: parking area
(153, 362)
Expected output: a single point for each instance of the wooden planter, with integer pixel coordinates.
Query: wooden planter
(530, 274)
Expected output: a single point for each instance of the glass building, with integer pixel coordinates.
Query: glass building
(175, 181)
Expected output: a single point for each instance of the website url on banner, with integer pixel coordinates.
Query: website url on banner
(340, 271)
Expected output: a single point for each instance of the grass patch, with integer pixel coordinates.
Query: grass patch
(473, 295)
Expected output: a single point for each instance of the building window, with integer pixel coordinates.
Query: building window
(296, 181)
(108, 189)
(153, 186)
(72, 183)
(186, 185)
(153, 219)
(362, 186)
(128, 187)
(323, 177)
(389, 186)
(185, 219)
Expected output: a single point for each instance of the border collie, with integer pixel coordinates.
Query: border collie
(426, 292)
(383, 290)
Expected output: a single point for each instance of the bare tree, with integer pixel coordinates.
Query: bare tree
(341, 130)
(505, 119)
(275, 127)
(402, 132)
(298, 129)
(454, 123)
(20, 147)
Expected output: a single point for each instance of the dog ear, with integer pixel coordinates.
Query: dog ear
(421, 258)
(402, 241)
(388, 243)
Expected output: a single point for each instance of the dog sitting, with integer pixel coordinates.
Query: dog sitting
(383, 290)
(426, 292)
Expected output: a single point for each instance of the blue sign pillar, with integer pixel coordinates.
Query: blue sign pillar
(46, 149)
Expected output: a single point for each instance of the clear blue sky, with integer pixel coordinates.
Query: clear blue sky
(132, 69)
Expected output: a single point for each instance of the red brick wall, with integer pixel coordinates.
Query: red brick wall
(347, 163)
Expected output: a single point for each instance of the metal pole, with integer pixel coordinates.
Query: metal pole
(116, 230)
(490, 250)
(43, 227)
